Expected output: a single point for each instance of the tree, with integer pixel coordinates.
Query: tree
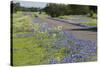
(78, 9)
(55, 10)
(15, 6)
(93, 9)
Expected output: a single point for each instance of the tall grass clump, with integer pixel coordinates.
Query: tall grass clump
(21, 23)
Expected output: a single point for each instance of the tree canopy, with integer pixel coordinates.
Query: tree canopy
(60, 9)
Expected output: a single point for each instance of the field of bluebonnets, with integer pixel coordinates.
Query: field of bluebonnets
(39, 43)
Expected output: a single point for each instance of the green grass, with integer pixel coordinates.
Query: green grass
(89, 24)
(21, 23)
(25, 49)
(65, 17)
(28, 52)
(94, 15)
(43, 15)
(93, 22)
(33, 50)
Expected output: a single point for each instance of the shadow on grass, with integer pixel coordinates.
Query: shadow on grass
(92, 29)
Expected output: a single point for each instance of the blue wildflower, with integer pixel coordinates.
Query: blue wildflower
(52, 61)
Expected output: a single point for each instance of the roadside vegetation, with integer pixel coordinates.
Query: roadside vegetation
(37, 49)
(93, 22)
(83, 20)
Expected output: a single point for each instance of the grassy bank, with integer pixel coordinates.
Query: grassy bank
(84, 20)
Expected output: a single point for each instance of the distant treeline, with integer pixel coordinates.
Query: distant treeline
(60, 9)
(16, 7)
(56, 10)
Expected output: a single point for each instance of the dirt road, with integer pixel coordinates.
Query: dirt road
(79, 34)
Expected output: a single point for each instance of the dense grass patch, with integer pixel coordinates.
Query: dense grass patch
(65, 17)
(26, 51)
(93, 22)
(89, 24)
(21, 23)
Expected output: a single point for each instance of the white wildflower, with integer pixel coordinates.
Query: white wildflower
(54, 35)
(59, 27)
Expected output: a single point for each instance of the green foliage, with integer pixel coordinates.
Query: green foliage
(56, 10)
(21, 23)
(26, 51)
(17, 7)
(65, 17)
(78, 9)
(94, 16)
(92, 22)
(43, 15)
(14, 7)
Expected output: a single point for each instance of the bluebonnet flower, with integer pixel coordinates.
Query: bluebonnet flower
(77, 56)
(66, 60)
(53, 61)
